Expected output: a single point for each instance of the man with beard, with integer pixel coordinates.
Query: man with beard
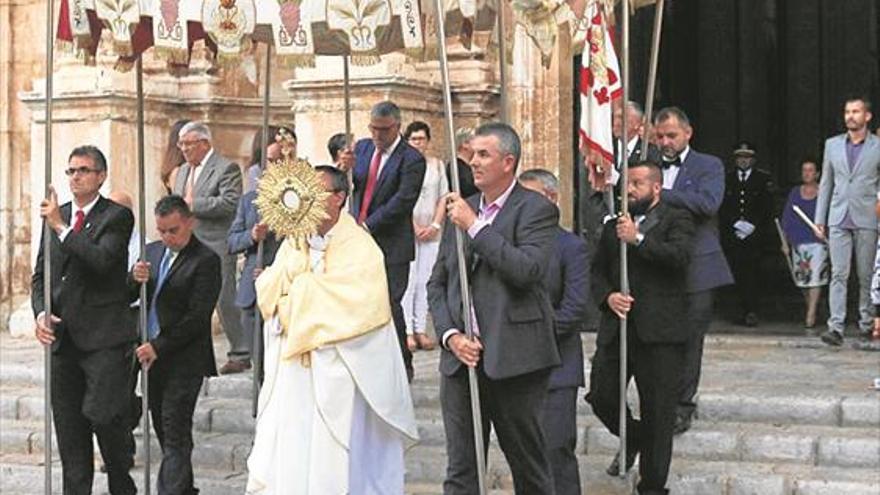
(659, 238)
(845, 214)
(693, 181)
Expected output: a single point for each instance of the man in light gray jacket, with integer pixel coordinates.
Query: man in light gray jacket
(845, 214)
(211, 185)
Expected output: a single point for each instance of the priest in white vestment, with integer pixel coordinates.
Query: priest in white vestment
(335, 412)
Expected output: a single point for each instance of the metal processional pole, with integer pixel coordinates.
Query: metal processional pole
(257, 351)
(502, 63)
(459, 244)
(142, 230)
(47, 246)
(652, 76)
(624, 209)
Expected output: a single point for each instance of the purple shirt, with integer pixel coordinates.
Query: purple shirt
(796, 230)
(487, 213)
(853, 151)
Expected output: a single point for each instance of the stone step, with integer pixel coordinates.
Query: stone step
(24, 475)
(224, 435)
(687, 477)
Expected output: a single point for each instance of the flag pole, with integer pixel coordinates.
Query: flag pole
(652, 76)
(624, 209)
(257, 350)
(476, 413)
(502, 62)
(47, 246)
(142, 231)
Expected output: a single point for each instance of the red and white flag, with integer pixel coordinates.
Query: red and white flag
(599, 86)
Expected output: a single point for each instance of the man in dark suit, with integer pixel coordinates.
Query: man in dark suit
(567, 282)
(745, 222)
(245, 234)
(693, 181)
(387, 178)
(659, 238)
(183, 282)
(463, 155)
(508, 231)
(211, 185)
(90, 332)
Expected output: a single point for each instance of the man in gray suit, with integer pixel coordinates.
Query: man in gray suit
(845, 214)
(211, 186)
(508, 233)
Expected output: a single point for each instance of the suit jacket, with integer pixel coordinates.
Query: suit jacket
(699, 189)
(215, 197)
(842, 190)
(507, 262)
(751, 201)
(636, 154)
(184, 306)
(397, 189)
(465, 178)
(657, 277)
(239, 240)
(569, 290)
(88, 279)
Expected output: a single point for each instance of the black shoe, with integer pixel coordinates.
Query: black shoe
(832, 338)
(614, 467)
(751, 319)
(682, 423)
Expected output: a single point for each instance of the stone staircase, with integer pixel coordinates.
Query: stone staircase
(777, 416)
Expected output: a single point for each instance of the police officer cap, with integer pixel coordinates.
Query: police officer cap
(744, 148)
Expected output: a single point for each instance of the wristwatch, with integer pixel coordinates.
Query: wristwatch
(640, 237)
(435, 226)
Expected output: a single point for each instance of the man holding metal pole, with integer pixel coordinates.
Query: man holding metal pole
(509, 231)
(658, 238)
(92, 350)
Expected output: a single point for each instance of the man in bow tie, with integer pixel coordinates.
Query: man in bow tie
(693, 181)
(658, 237)
(89, 331)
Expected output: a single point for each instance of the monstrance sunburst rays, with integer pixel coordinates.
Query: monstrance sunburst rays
(291, 198)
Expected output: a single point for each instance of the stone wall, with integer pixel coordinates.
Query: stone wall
(98, 105)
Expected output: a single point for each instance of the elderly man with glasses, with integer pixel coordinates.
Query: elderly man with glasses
(211, 184)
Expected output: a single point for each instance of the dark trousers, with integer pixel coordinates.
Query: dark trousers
(657, 369)
(745, 258)
(560, 432)
(699, 317)
(90, 394)
(172, 402)
(398, 278)
(514, 407)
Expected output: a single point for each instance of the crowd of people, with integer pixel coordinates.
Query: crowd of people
(339, 316)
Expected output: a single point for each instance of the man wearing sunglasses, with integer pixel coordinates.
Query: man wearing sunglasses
(89, 331)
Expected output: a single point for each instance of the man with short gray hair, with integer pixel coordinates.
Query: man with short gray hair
(211, 185)
(387, 177)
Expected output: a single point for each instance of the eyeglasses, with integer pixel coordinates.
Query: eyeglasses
(189, 144)
(80, 171)
(386, 128)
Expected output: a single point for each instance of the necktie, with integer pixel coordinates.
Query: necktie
(190, 184)
(80, 220)
(371, 184)
(153, 314)
(674, 163)
(742, 175)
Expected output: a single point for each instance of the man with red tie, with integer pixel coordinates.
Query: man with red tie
(89, 331)
(387, 178)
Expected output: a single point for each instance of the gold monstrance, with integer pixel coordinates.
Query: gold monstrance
(291, 198)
